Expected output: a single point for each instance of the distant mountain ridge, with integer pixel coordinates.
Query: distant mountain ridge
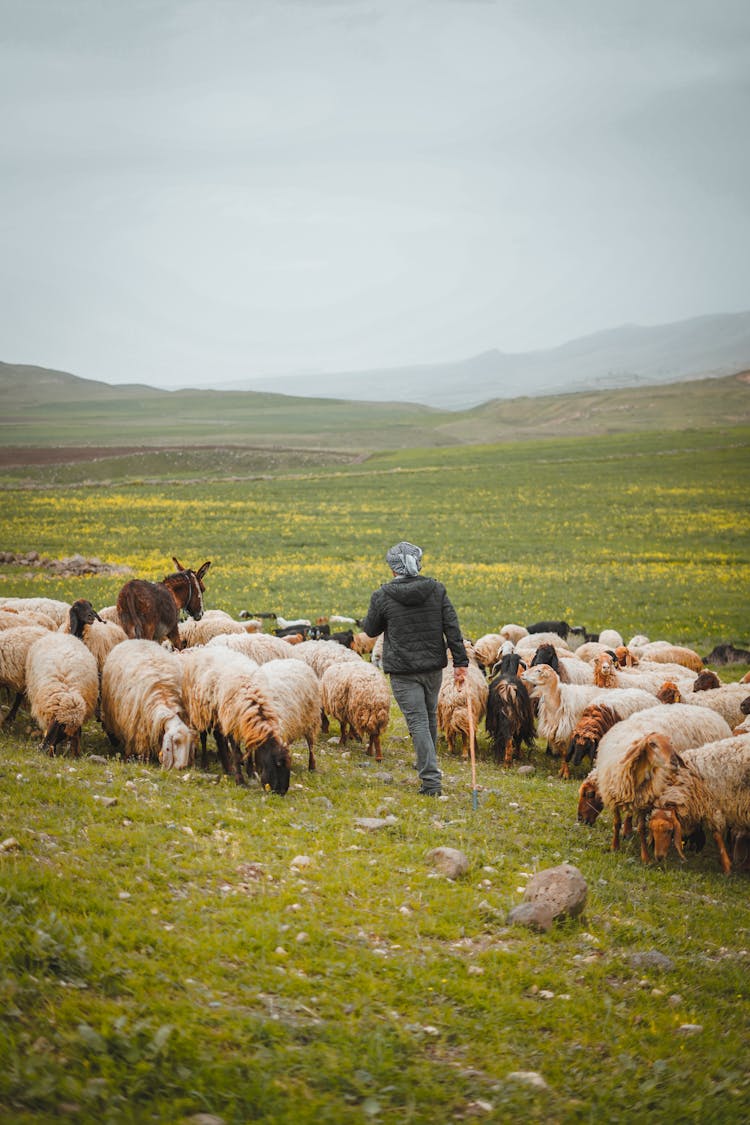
(628, 356)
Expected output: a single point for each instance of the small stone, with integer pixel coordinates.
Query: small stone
(475, 970)
(373, 823)
(108, 802)
(525, 771)
(124, 895)
(674, 1000)
(690, 1028)
(384, 776)
(97, 758)
(528, 1078)
(204, 1119)
(449, 861)
(479, 1106)
(10, 845)
(301, 862)
(280, 951)
(302, 937)
(534, 915)
(546, 994)
(651, 959)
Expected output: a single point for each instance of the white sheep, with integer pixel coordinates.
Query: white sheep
(248, 718)
(711, 790)
(12, 618)
(636, 758)
(204, 667)
(62, 687)
(358, 695)
(513, 632)
(14, 648)
(376, 656)
(662, 652)
(608, 675)
(110, 613)
(726, 701)
(213, 623)
(457, 704)
(52, 607)
(527, 646)
(488, 647)
(260, 647)
(295, 694)
(560, 705)
(610, 638)
(142, 705)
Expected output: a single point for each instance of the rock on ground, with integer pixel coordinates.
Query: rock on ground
(449, 861)
(563, 889)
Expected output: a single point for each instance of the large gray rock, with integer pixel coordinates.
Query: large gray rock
(563, 889)
(449, 861)
(651, 959)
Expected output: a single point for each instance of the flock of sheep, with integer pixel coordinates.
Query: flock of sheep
(669, 744)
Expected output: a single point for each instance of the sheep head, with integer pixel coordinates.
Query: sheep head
(669, 692)
(177, 745)
(590, 803)
(273, 762)
(604, 670)
(539, 676)
(81, 613)
(664, 829)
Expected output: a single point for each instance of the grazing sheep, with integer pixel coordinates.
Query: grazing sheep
(487, 648)
(527, 647)
(260, 647)
(320, 655)
(640, 640)
(638, 757)
(13, 618)
(569, 668)
(661, 652)
(295, 694)
(456, 703)
(611, 638)
(744, 726)
(14, 648)
(142, 705)
(363, 644)
(513, 632)
(203, 669)
(213, 623)
(109, 613)
(590, 650)
(99, 636)
(595, 721)
(52, 607)
(608, 675)
(561, 705)
(359, 697)
(711, 791)
(248, 718)
(62, 687)
(510, 718)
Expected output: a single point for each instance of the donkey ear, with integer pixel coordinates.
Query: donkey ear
(202, 570)
(177, 563)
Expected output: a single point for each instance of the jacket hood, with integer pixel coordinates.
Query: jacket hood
(410, 591)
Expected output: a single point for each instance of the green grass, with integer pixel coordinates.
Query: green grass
(150, 967)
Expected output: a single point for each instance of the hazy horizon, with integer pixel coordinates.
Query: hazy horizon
(220, 191)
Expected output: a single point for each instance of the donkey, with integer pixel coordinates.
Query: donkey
(151, 610)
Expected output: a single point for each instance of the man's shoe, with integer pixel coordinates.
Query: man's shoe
(431, 792)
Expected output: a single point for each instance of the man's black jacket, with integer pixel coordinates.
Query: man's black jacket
(418, 620)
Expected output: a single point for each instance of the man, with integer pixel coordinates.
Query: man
(417, 619)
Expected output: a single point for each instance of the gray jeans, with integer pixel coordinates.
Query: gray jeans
(417, 696)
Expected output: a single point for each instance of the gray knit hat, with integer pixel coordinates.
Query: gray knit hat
(405, 559)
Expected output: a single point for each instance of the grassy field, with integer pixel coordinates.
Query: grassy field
(164, 956)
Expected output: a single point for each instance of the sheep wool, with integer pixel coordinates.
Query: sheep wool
(295, 694)
(358, 695)
(142, 705)
(62, 686)
(456, 704)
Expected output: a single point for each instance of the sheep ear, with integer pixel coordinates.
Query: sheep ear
(202, 570)
(677, 835)
(177, 563)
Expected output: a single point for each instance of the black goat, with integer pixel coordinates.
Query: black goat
(346, 638)
(509, 720)
(727, 654)
(547, 654)
(560, 627)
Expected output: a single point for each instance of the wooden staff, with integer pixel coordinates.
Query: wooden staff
(474, 798)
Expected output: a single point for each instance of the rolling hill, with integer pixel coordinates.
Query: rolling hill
(45, 408)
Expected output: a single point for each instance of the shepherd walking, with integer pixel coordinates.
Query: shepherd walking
(419, 624)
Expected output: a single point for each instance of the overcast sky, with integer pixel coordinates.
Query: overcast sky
(208, 190)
